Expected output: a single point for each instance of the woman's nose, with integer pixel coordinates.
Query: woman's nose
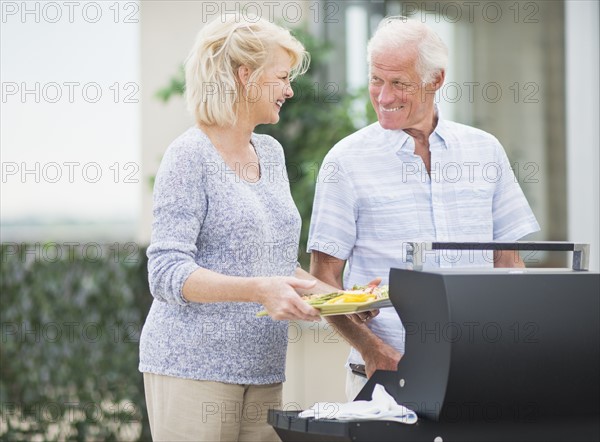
(288, 92)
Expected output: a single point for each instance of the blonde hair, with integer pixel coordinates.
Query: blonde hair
(400, 33)
(212, 86)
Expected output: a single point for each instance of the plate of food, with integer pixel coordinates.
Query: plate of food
(343, 302)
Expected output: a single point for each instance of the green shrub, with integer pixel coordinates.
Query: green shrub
(70, 319)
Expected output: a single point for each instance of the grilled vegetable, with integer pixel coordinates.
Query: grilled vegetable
(358, 294)
(348, 297)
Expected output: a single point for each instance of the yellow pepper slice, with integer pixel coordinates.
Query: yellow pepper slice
(348, 298)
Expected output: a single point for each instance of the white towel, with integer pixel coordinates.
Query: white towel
(382, 407)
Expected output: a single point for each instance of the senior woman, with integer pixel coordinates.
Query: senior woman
(224, 244)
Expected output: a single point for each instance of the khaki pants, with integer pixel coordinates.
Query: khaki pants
(199, 411)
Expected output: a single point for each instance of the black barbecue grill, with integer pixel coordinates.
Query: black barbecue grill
(491, 355)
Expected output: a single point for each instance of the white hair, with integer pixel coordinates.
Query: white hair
(400, 33)
(212, 88)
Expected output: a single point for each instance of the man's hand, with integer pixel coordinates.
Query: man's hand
(382, 357)
(362, 317)
(508, 258)
(377, 354)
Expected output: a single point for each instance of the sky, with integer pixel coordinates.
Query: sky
(70, 112)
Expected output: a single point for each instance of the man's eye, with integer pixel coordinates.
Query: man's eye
(404, 86)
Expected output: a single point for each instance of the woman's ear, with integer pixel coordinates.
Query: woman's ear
(244, 74)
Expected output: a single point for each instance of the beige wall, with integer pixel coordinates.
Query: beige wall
(315, 365)
(582, 23)
(520, 56)
(168, 30)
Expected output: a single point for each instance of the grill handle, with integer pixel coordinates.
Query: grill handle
(581, 252)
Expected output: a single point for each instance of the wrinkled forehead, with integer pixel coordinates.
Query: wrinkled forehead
(393, 59)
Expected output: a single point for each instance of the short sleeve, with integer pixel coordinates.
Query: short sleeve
(513, 217)
(333, 221)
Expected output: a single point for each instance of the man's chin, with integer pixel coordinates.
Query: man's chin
(387, 125)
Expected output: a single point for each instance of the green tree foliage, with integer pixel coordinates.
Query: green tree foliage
(318, 116)
(70, 331)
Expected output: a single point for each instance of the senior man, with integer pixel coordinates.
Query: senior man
(411, 176)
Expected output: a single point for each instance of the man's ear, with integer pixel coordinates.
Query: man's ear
(244, 74)
(438, 79)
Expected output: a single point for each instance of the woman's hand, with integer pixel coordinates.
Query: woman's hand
(281, 300)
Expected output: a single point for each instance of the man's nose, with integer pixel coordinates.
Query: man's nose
(386, 95)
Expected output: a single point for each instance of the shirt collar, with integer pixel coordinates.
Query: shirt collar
(442, 130)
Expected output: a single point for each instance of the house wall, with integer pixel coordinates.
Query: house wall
(583, 140)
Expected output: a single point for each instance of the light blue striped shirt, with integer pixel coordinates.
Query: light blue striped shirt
(374, 195)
